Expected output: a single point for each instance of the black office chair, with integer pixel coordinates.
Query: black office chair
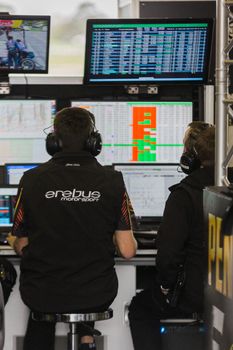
(177, 332)
(2, 319)
(74, 320)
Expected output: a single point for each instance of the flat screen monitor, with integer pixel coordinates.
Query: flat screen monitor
(14, 172)
(7, 204)
(140, 132)
(148, 187)
(147, 51)
(22, 139)
(24, 44)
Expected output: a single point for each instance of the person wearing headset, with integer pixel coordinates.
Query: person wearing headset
(72, 214)
(178, 286)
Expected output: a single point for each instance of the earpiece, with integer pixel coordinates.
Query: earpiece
(93, 143)
(53, 144)
(189, 162)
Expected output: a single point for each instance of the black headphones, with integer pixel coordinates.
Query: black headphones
(93, 143)
(189, 160)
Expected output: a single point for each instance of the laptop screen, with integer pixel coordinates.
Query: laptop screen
(148, 187)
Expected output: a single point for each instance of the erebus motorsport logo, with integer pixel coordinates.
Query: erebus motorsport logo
(74, 195)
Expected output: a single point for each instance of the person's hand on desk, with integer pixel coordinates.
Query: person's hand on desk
(17, 243)
(11, 240)
(126, 244)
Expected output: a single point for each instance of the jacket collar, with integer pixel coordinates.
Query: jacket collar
(198, 179)
(81, 157)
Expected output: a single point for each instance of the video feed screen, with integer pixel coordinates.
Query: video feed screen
(140, 131)
(147, 51)
(24, 44)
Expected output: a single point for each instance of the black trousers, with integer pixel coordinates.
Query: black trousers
(40, 335)
(145, 312)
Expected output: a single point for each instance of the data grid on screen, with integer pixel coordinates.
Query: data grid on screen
(148, 186)
(7, 204)
(140, 132)
(147, 50)
(22, 139)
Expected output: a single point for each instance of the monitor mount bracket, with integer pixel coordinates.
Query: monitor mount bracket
(4, 78)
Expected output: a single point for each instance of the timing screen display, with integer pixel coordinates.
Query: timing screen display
(140, 132)
(147, 52)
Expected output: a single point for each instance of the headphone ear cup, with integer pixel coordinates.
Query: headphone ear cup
(94, 143)
(53, 144)
(189, 162)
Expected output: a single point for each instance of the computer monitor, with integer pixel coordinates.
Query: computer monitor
(14, 172)
(140, 131)
(148, 187)
(22, 139)
(24, 44)
(7, 204)
(147, 51)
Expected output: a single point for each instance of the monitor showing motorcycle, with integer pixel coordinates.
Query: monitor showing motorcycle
(24, 44)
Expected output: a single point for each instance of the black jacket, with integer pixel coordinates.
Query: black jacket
(70, 208)
(181, 238)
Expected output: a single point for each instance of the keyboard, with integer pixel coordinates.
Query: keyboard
(146, 238)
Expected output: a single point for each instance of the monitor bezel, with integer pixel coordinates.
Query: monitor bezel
(7, 71)
(87, 64)
(146, 219)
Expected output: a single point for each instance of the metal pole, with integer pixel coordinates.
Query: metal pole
(221, 91)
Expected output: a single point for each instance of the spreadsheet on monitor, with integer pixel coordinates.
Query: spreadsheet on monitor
(139, 131)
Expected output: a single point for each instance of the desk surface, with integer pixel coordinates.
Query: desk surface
(141, 253)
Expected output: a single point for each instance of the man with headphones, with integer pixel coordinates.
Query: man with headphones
(71, 216)
(178, 286)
